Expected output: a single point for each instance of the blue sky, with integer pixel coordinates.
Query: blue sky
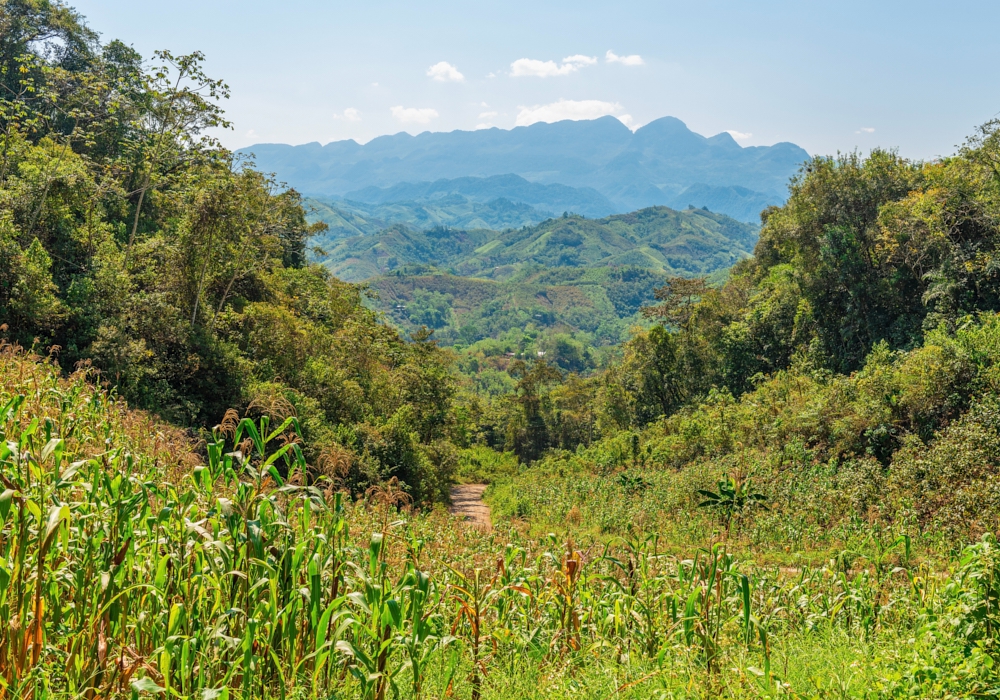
(829, 76)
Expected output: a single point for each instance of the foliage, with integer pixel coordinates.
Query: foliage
(219, 577)
(600, 302)
(734, 497)
(134, 243)
(768, 489)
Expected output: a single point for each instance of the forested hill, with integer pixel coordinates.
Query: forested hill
(786, 483)
(693, 241)
(652, 166)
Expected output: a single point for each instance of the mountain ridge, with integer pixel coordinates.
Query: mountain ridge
(346, 218)
(633, 170)
(547, 197)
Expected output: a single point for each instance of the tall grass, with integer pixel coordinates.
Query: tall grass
(129, 567)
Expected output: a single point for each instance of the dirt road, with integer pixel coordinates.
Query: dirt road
(467, 502)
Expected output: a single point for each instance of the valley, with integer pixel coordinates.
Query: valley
(589, 408)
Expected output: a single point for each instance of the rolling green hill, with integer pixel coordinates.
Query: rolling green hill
(690, 242)
(694, 241)
(363, 257)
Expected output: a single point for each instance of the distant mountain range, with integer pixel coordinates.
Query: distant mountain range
(590, 167)
(498, 202)
(690, 242)
(348, 218)
(554, 198)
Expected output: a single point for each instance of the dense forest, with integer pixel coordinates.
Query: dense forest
(221, 467)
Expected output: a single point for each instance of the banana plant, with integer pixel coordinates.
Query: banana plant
(734, 497)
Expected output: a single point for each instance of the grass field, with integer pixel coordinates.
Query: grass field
(130, 566)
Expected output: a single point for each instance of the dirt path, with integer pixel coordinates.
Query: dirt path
(467, 502)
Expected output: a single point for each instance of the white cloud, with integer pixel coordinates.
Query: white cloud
(633, 60)
(566, 109)
(627, 120)
(444, 72)
(546, 69)
(487, 115)
(350, 115)
(541, 69)
(483, 126)
(866, 130)
(491, 75)
(413, 115)
(738, 135)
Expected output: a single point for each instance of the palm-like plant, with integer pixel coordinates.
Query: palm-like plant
(734, 497)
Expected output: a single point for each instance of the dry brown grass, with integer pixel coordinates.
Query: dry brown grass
(44, 387)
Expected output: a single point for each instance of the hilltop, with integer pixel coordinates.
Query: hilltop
(499, 202)
(565, 275)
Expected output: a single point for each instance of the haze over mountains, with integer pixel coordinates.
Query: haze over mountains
(592, 167)
(585, 201)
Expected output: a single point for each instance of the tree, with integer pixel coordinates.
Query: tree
(648, 383)
(528, 434)
(50, 30)
(829, 233)
(678, 297)
(181, 104)
(28, 297)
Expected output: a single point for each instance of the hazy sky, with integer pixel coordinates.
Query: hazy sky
(917, 76)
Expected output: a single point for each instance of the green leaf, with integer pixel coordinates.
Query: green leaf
(70, 471)
(273, 471)
(6, 500)
(11, 407)
(160, 580)
(146, 685)
(248, 425)
(53, 445)
(57, 514)
(393, 614)
(29, 431)
(281, 428)
(277, 455)
(33, 508)
(324, 624)
(4, 574)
